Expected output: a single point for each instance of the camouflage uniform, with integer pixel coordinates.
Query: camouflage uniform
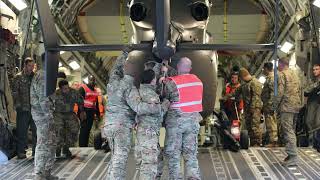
(171, 72)
(250, 92)
(267, 97)
(288, 103)
(312, 116)
(42, 113)
(181, 138)
(123, 102)
(157, 69)
(66, 121)
(148, 131)
(21, 97)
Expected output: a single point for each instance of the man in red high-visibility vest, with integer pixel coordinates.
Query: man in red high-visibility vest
(182, 122)
(228, 104)
(91, 107)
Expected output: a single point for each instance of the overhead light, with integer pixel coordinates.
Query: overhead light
(316, 3)
(86, 80)
(262, 79)
(60, 64)
(61, 52)
(286, 47)
(74, 65)
(4, 7)
(19, 4)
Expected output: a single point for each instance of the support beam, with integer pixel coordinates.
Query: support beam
(11, 6)
(98, 47)
(87, 66)
(51, 71)
(232, 47)
(182, 46)
(50, 39)
(48, 28)
(275, 52)
(281, 37)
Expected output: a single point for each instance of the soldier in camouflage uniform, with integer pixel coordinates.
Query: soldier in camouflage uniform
(312, 92)
(250, 92)
(148, 128)
(267, 97)
(162, 70)
(21, 97)
(66, 121)
(181, 129)
(42, 113)
(123, 104)
(288, 103)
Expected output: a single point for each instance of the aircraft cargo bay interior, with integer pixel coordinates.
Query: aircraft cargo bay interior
(159, 89)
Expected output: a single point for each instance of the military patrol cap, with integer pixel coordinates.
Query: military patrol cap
(243, 72)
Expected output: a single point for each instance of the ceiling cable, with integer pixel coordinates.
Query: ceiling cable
(225, 22)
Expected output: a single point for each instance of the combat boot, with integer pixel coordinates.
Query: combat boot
(67, 152)
(39, 177)
(21, 156)
(290, 161)
(58, 152)
(49, 176)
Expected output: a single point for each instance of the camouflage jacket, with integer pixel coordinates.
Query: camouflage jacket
(157, 70)
(158, 73)
(148, 94)
(66, 102)
(21, 91)
(267, 95)
(250, 92)
(123, 98)
(289, 92)
(312, 89)
(171, 93)
(40, 104)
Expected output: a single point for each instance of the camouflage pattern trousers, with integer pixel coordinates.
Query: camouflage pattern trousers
(67, 129)
(119, 139)
(271, 125)
(182, 139)
(46, 144)
(287, 129)
(160, 163)
(147, 151)
(252, 120)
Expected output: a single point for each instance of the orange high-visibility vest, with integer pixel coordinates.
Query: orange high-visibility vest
(91, 97)
(190, 90)
(100, 103)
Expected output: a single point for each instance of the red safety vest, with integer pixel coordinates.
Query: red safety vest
(190, 90)
(91, 97)
(229, 103)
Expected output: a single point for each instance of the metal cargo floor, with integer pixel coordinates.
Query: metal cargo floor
(255, 163)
